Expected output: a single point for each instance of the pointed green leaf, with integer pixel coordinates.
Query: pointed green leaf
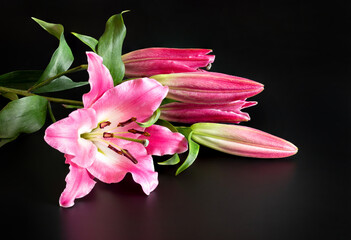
(22, 79)
(54, 29)
(62, 58)
(11, 96)
(25, 115)
(110, 47)
(194, 149)
(90, 41)
(60, 84)
(151, 120)
(171, 161)
(3, 141)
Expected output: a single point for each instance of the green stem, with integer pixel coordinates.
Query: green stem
(49, 80)
(51, 113)
(51, 99)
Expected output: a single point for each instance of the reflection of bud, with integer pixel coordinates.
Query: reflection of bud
(192, 113)
(151, 61)
(242, 141)
(208, 87)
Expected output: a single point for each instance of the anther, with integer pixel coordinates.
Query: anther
(134, 131)
(127, 154)
(122, 124)
(107, 135)
(115, 150)
(104, 124)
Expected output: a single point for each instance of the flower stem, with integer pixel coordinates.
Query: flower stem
(51, 113)
(49, 80)
(51, 99)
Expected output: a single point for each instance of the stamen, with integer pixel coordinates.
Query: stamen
(127, 154)
(104, 124)
(134, 131)
(115, 150)
(107, 135)
(122, 124)
(145, 142)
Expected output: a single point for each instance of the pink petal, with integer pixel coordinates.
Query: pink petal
(64, 135)
(78, 184)
(135, 98)
(99, 78)
(111, 167)
(242, 141)
(192, 113)
(163, 141)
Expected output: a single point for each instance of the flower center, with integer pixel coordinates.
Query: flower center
(100, 134)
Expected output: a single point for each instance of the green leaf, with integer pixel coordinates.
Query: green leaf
(171, 161)
(22, 79)
(25, 115)
(90, 41)
(60, 84)
(152, 119)
(3, 141)
(194, 149)
(62, 58)
(11, 96)
(168, 100)
(71, 106)
(54, 29)
(110, 46)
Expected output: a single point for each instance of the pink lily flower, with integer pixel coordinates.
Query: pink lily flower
(104, 141)
(242, 141)
(192, 113)
(151, 61)
(208, 87)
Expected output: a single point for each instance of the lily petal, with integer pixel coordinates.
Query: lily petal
(163, 141)
(136, 98)
(100, 79)
(64, 135)
(79, 183)
(111, 167)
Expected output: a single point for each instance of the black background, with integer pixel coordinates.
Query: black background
(298, 49)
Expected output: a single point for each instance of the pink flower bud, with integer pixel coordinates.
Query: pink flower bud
(192, 113)
(208, 87)
(242, 141)
(152, 61)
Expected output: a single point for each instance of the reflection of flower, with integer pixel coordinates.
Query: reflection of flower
(241, 141)
(208, 87)
(103, 140)
(151, 61)
(192, 113)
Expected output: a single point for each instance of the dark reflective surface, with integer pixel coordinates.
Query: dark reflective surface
(297, 49)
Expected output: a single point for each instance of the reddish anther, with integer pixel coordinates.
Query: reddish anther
(122, 124)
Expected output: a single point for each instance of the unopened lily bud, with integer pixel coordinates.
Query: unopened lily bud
(208, 87)
(242, 141)
(152, 61)
(193, 113)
